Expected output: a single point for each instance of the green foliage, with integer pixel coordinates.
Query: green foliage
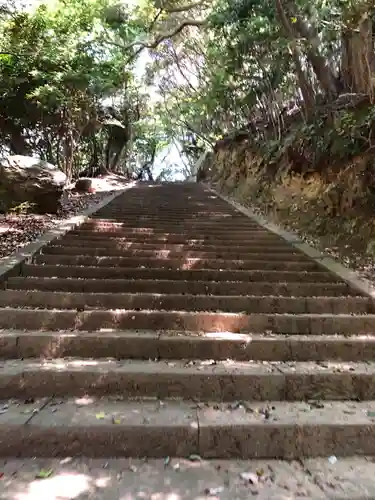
(59, 66)
(244, 65)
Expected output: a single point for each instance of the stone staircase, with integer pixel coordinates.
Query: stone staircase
(170, 324)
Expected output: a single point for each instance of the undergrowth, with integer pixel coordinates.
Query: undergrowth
(317, 180)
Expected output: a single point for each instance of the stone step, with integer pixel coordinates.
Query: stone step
(60, 248)
(157, 429)
(291, 289)
(279, 251)
(102, 320)
(193, 478)
(196, 239)
(117, 212)
(172, 264)
(141, 225)
(177, 275)
(174, 302)
(223, 235)
(211, 229)
(135, 218)
(145, 345)
(167, 214)
(197, 380)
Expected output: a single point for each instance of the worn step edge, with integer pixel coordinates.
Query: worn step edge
(181, 379)
(238, 247)
(178, 229)
(222, 237)
(62, 248)
(172, 302)
(190, 217)
(176, 345)
(106, 428)
(86, 285)
(177, 224)
(100, 320)
(184, 263)
(174, 275)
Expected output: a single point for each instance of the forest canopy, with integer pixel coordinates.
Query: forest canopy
(98, 85)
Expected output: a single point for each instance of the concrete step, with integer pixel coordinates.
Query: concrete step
(224, 235)
(189, 218)
(178, 215)
(195, 239)
(199, 332)
(197, 380)
(117, 212)
(114, 428)
(175, 302)
(271, 250)
(291, 289)
(102, 320)
(145, 345)
(140, 225)
(177, 275)
(350, 478)
(176, 264)
(60, 248)
(210, 228)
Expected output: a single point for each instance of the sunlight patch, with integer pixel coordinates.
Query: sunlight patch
(66, 486)
(228, 336)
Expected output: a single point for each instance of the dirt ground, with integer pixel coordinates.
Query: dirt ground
(18, 229)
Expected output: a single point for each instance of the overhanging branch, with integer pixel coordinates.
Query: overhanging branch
(161, 38)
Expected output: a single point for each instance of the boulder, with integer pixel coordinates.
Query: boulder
(84, 185)
(26, 179)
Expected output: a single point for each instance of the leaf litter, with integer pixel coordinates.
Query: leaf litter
(44, 473)
(19, 229)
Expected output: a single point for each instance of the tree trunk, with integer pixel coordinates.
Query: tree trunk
(306, 88)
(18, 144)
(324, 74)
(68, 154)
(358, 59)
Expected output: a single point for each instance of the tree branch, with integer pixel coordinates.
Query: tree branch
(153, 22)
(161, 38)
(175, 56)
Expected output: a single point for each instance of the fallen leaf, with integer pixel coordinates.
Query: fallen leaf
(194, 458)
(44, 473)
(1, 475)
(100, 416)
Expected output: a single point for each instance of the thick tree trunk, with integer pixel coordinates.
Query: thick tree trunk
(358, 58)
(324, 74)
(306, 88)
(18, 144)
